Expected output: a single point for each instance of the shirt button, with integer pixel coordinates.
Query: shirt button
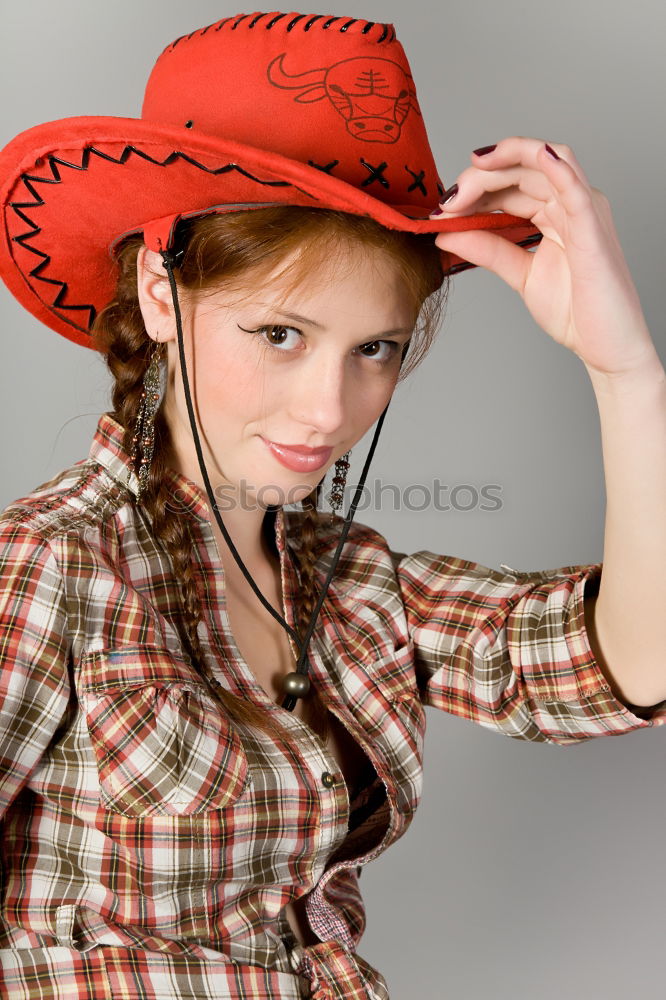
(327, 779)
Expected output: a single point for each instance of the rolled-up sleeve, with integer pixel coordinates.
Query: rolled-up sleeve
(34, 649)
(509, 649)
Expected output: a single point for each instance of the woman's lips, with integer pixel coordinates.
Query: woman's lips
(298, 458)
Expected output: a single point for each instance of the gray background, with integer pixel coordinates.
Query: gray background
(529, 871)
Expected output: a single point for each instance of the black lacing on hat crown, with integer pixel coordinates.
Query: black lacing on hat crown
(376, 173)
(418, 181)
(271, 22)
(326, 168)
(54, 162)
(382, 32)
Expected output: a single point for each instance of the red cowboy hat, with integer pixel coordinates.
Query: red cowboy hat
(257, 109)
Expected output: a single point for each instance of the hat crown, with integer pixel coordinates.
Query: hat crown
(331, 92)
(256, 110)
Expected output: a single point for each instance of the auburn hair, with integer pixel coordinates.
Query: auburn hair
(235, 250)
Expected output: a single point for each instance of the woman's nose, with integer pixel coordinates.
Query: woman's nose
(320, 398)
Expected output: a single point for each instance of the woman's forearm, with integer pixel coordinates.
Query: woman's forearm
(628, 615)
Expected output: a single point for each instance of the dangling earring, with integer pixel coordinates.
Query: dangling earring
(337, 493)
(144, 428)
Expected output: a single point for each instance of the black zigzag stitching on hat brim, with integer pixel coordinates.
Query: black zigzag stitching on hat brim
(54, 162)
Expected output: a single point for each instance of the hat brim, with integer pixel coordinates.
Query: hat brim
(72, 187)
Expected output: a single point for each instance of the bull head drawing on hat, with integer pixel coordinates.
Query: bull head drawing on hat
(374, 96)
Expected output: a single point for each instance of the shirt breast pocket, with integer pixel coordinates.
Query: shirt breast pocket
(162, 743)
(379, 665)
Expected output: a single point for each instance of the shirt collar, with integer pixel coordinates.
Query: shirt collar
(188, 498)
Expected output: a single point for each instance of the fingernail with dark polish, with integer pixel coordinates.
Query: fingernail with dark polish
(549, 149)
(448, 195)
(484, 150)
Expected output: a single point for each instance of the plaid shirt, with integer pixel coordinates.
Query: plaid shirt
(149, 844)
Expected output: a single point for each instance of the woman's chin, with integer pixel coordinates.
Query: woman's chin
(283, 496)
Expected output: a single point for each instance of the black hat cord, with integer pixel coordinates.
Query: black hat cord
(297, 683)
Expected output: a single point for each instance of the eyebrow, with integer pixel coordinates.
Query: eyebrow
(319, 326)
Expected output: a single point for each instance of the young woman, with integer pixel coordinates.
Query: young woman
(212, 707)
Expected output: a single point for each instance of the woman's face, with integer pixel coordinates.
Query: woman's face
(312, 369)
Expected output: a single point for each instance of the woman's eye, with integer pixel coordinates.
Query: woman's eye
(275, 335)
(379, 350)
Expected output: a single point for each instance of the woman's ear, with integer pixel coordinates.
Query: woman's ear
(154, 294)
